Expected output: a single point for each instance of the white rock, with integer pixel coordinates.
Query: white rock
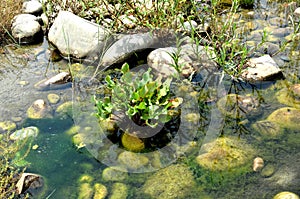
(45, 19)
(189, 25)
(25, 28)
(258, 164)
(70, 34)
(261, 69)
(191, 57)
(297, 12)
(55, 82)
(32, 7)
(21, 134)
(160, 61)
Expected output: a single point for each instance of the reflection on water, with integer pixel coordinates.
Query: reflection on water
(70, 171)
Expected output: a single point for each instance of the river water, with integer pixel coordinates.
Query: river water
(65, 165)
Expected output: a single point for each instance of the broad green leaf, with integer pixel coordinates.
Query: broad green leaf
(109, 82)
(127, 78)
(125, 68)
(135, 96)
(143, 91)
(141, 106)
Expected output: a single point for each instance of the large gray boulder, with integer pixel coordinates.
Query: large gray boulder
(75, 36)
(126, 46)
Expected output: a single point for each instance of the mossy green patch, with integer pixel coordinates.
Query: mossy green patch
(286, 117)
(225, 154)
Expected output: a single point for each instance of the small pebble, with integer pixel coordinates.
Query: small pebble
(258, 164)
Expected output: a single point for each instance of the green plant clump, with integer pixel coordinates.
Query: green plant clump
(9, 172)
(144, 100)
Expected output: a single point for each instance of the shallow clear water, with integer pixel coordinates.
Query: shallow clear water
(62, 164)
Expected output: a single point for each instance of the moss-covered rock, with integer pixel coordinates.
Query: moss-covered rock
(225, 153)
(286, 195)
(38, 110)
(114, 174)
(85, 191)
(119, 191)
(132, 143)
(175, 181)
(132, 161)
(286, 117)
(53, 98)
(290, 96)
(237, 106)
(65, 110)
(77, 140)
(73, 130)
(84, 178)
(268, 129)
(100, 191)
(108, 125)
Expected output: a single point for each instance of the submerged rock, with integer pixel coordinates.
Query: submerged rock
(132, 161)
(290, 96)
(85, 191)
(119, 191)
(100, 191)
(65, 110)
(224, 154)
(113, 174)
(132, 143)
(175, 181)
(29, 182)
(38, 110)
(238, 106)
(286, 117)
(286, 195)
(268, 171)
(268, 129)
(26, 132)
(53, 98)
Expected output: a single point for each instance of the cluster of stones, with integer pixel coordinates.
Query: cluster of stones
(28, 26)
(80, 38)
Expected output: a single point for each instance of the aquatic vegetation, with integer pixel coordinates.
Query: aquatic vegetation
(145, 100)
(9, 172)
(174, 181)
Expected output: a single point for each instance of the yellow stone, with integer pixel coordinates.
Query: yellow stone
(132, 143)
